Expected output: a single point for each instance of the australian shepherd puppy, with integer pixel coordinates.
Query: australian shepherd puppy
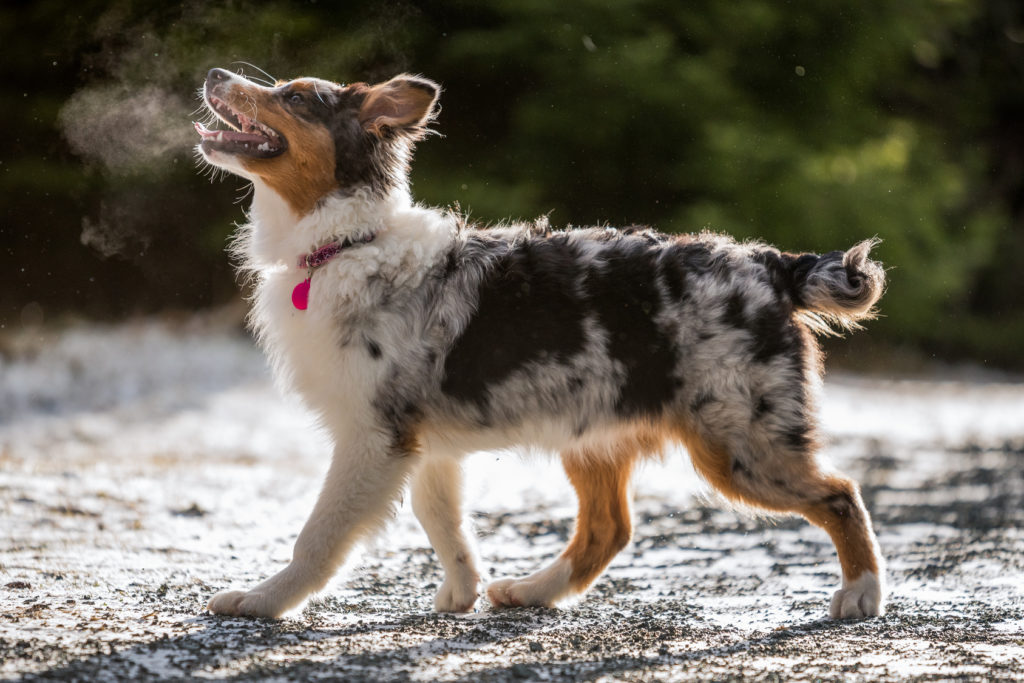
(417, 339)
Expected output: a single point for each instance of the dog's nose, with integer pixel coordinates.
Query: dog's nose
(218, 75)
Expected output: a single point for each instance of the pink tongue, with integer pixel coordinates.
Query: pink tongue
(300, 295)
(203, 130)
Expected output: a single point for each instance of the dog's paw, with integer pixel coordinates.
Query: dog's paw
(858, 599)
(511, 593)
(542, 589)
(456, 595)
(243, 604)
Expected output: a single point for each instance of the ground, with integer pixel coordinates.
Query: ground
(146, 466)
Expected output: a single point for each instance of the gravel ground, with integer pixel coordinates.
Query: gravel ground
(146, 466)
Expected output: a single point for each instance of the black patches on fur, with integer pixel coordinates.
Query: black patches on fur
(360, 160)
(778, 273)
(798, 267)
(528, 311)
(626, 300)
(798, 438)
(396, 410)
(733, 314)
(773, 331)
(762, 408)
(702, 400)
(739, 468)
(841, 504)
(451, 264)
(673, 273)
(771, 327)
(400, 416)
(373, 348)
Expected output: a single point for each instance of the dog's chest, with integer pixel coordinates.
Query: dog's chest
(308, 348)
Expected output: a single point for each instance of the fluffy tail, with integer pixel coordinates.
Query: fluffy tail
(839, 287)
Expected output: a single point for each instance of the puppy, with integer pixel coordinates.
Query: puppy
(416, 338)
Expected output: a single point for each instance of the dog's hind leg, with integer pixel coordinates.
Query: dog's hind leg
(366, 475)
(780, 474)
(437, 503)
(603, 528)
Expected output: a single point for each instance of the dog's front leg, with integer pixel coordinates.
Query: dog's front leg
(361, 487)
(437, 502)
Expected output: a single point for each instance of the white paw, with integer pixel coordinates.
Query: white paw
(858, 599)
(456, 594)
(244, 604)
(542, 589)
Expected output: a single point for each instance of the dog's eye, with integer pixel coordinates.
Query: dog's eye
(295, 98)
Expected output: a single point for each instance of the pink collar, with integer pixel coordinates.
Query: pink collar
(317, 258)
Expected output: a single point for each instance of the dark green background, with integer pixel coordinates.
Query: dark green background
(810, 124)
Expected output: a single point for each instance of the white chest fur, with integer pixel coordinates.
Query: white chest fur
(316, 351)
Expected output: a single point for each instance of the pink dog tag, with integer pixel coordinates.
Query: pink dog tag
(300, 295)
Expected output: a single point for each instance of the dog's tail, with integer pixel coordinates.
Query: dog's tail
(838, 288)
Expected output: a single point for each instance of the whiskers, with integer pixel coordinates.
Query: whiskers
(269, 81)
(318, 95)
(246, 191)
(206, 169)
(252, 106)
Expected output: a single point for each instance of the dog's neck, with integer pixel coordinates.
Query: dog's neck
(276, 236)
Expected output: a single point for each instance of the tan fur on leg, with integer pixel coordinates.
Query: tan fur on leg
(831, 502)
(603, 526)
(843, 516)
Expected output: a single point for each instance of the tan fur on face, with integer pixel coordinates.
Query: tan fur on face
(304, 173)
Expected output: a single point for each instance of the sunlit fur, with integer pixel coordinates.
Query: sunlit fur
(440, 338)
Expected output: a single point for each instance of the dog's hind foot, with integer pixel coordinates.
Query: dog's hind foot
(270, 599)
(541, 589)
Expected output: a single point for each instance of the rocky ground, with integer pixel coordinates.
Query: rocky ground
(147, 466)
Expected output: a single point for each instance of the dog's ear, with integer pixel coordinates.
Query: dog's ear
(404, 105)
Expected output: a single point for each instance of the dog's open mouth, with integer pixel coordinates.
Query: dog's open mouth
(248, 138)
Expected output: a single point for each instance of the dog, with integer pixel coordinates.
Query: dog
(417, 338)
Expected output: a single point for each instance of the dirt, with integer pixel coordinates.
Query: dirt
(143, 468)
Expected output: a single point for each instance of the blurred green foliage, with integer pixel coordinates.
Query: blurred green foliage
(808, 124)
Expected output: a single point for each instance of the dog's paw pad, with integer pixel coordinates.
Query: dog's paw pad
(861, 598)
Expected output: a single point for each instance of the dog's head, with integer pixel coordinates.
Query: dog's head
(309, 138)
